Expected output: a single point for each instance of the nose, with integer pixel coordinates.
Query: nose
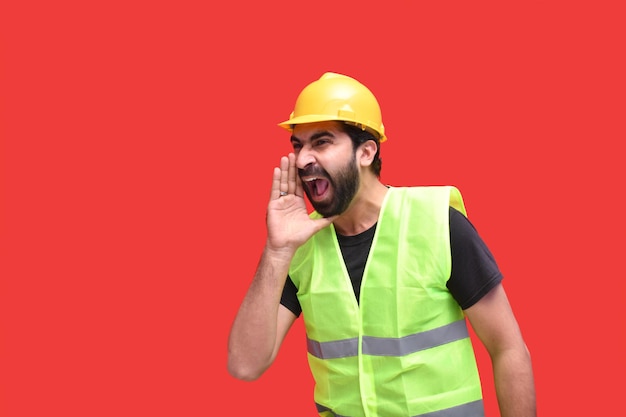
(304, 158)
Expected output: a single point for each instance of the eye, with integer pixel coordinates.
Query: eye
(296, 146)
(321, 142)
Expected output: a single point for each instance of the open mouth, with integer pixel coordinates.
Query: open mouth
(316, 186)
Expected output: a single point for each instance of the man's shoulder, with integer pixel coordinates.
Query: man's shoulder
(426, 192)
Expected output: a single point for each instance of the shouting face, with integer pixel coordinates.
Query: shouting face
(326, 162)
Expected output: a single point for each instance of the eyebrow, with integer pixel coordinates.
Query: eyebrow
(314, 136)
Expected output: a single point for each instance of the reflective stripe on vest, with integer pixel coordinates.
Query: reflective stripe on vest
(475, 408)
(379, 346)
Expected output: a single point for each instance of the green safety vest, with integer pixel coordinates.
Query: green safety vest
(405, 351)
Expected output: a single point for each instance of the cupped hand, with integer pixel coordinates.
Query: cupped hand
(288, 223)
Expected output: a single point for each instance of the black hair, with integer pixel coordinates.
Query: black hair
(360, 136)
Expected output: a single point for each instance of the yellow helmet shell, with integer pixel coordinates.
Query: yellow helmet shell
(337, 97)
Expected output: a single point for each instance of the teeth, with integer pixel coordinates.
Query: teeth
(310, 179)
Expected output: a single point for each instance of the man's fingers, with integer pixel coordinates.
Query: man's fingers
(284, 174)
(285, 179)
(275, 192)
(299, 191)
(292, 174)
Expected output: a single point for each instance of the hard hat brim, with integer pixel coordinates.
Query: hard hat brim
(309, 118)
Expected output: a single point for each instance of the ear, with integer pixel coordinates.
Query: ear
(367, 152)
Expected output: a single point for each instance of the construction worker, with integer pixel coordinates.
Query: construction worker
(386, 278)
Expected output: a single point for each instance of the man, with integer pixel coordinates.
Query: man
(384, 277)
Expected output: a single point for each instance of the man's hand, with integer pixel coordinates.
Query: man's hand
(288, 223)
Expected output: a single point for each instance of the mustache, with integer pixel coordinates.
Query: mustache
(312, 171)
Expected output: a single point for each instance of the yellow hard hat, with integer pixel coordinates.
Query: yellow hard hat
(337, 97)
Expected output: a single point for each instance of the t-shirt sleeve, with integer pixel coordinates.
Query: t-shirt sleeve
(474, 269)
(289, 298)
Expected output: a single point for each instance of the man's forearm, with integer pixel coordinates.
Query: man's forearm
(514, 381)
(253, 334)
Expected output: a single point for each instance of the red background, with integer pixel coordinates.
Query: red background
(137, 144)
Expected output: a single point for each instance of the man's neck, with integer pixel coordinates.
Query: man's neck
(363, 211)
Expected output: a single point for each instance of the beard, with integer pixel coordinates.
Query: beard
(344, 184)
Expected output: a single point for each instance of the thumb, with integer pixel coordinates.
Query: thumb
(324, 222)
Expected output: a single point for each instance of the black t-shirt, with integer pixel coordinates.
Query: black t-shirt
(474, 269)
